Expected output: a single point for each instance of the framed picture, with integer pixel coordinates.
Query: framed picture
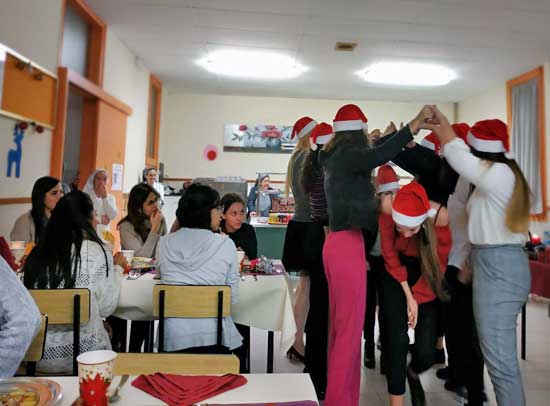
(258, 138)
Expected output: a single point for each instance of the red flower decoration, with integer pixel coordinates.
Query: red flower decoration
(94, 391)
(23, 125)
(39, 129)
(270, 127)
(243, 127)
(272, 133)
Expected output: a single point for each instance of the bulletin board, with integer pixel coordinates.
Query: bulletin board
(28, 92)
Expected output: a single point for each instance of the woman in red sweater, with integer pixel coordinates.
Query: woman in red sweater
(415, 245)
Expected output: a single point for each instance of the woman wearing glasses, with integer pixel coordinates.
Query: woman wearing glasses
(196, 254)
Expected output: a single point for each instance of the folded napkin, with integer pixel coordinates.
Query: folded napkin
(179, 390)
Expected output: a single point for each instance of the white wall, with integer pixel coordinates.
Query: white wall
(32, 28)
(490, 104)
(128, 80)
(194, 120)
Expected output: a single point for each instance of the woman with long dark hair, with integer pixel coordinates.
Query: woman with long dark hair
(140, 231)
(30, 226)
(71, 255)
(498, 209)
(294, 258)
(312, 180)
(348, 161)
(415, 245)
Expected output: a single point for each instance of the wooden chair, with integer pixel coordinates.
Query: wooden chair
(65, 307)
(179, 301)
(174, 363)
(36, 350)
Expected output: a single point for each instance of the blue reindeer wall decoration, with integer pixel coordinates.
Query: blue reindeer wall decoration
(15, 154)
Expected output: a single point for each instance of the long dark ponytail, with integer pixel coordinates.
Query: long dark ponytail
(53, 262)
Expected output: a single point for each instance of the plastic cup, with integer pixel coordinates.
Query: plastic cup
(95, 374)
(129, 255)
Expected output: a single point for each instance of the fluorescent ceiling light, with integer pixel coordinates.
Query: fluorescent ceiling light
(252, 64)
(407, 74)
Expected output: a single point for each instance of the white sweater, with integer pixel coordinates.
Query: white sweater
(104, 292)
(487, 205)
(198, 257)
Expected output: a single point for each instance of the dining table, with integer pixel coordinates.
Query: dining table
(259, 389)
(264, 302)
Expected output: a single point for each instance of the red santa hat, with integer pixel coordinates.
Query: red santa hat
(461, 130)
(302, 127)
(432, 142)
(386, 179)
(349, 118)
(411, 206)
(489, 136)
(320, 135)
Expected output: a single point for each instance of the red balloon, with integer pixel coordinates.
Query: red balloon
(211, 155)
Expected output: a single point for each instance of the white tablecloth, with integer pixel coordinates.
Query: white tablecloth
(264, 303)
(259, 388)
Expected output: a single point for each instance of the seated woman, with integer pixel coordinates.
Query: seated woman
(104, 202)
(149, 176)
(140, 231)
(29, 227)
(197, 255)
(71, 255)
(260, 191)
(19, 321)
(233, 224)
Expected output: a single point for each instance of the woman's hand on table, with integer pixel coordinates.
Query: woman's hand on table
(120, 260)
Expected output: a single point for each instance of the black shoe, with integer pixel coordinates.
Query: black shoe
(369, 363)
(418, 397)
(293, 353)
(460, 390)
(440, 356)
(443, 373)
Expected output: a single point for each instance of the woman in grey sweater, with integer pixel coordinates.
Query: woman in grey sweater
(140, 232)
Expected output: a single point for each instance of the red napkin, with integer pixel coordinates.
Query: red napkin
(5, 252)
(178, 390)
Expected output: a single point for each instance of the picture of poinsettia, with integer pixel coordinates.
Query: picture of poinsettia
(258, 138)
(94, 391)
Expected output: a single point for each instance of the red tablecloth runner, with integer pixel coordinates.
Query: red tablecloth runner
(540, 278)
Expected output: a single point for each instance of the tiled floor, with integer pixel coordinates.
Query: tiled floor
(536, 369)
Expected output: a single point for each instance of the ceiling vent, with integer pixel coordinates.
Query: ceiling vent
(345, 46)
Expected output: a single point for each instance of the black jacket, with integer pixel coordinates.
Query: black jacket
(432, 171)
(348, 180)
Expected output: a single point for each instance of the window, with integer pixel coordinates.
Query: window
(153, 121)
(526, 121)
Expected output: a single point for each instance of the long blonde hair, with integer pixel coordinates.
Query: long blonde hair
(429, 259)
(519, 206)
(301, 145)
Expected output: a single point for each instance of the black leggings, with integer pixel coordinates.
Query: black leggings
(395, 341)
(377, 267)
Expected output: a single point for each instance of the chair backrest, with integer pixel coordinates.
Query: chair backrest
(36, 350)
(59, 304)
(173, 363)
(192, 301)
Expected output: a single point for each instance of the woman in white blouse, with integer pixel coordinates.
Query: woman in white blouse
(104, 202)
(197, 255)
(71, 255)
(149, 176)
(497, 203)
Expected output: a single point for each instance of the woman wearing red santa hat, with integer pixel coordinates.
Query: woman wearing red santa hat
(294, 247)
(387, 184)
(317, 320)
(348, 161)
(415, 250)
(498, 211)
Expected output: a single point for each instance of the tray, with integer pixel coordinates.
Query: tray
(49, 392)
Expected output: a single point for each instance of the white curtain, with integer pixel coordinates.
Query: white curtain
(525, 138)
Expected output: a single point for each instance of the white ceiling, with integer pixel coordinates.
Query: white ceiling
(485, 41)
